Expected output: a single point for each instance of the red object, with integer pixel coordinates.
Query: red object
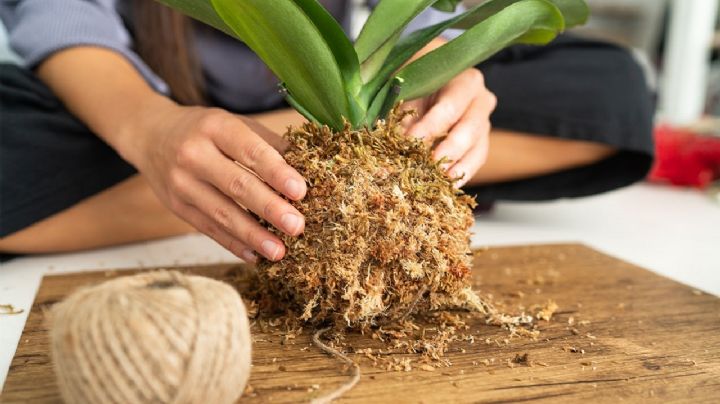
(685, 158)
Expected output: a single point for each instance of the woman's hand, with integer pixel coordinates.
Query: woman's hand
(208, 166)
(461, 110)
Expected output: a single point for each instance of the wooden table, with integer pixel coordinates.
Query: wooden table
(647, 337)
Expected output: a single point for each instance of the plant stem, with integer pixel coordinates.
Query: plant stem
(391, 98)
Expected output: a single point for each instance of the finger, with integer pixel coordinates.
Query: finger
(449, 107)
(208, 227)
(464, 135)
(278, 143)
(418, 106)
(249, 149)
(470, 163)
(246, 189)
(230, 217)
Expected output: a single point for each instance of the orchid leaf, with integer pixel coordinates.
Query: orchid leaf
(405, 48)
(446, 5)
(330, 80)
(377, 60)
(575, 12)
(201, 10)
(342, 49)
(285, 38)
(506, 27)
(388, 19)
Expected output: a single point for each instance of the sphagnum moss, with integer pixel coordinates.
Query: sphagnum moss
(386, 231)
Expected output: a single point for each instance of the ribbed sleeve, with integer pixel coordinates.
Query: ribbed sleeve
(38, 28)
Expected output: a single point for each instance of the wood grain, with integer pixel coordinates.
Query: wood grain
(648, 338)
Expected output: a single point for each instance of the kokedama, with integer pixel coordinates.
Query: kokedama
(386, 231)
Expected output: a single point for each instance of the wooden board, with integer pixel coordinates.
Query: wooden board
(647, 337)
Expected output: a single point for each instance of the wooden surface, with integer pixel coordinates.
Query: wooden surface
(647, 338)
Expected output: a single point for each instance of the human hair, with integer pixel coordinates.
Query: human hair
(164, 40)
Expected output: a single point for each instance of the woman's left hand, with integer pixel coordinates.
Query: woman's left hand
(461, 110)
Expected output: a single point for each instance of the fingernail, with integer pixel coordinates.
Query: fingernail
(248, 256)
(271, 249)
(291, 223)
(293, 188)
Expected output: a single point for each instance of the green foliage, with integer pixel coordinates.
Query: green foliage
(330, 81)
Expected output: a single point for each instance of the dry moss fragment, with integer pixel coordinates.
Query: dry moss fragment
(9, 310)
(386, 231)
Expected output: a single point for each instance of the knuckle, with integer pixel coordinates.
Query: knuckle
(256, 153)
(260, 154)
(235, 247)
(176, 181)
(478, 77)
(492, 100)
(221, 215)
(239, 186)
(212, 121)
(248, 236)
(189, 153)
(211, 230)
(448, 109)
(272, 208)
(277, 174)
(462, 143)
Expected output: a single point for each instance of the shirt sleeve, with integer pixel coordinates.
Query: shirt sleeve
(39, 28)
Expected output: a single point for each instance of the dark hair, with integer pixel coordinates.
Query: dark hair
(164, 40)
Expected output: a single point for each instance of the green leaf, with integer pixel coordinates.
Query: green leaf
(299, 108)
(343, 51)
(201, 10)
(288, 41)
(446, 5)
(376, 107)
(430, 72)
(385, 23)
(372, 65)
(410, 45)
(402, 52)
(575, 12)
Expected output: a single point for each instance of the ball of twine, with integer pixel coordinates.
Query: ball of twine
(149, 338)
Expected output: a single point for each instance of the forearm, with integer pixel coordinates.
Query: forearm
(516, 156)
(104, 91)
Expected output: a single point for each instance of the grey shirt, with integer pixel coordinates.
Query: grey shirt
(236, 78)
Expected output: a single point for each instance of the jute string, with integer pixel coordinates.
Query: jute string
(158, 337)
(348, 385)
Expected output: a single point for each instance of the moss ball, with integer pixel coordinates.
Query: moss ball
(386, 231)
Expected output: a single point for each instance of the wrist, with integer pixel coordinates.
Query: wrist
(132, 137)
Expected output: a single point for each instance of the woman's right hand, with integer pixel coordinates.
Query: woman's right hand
(208, 166)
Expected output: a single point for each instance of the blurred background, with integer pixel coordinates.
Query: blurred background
(678, 43)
